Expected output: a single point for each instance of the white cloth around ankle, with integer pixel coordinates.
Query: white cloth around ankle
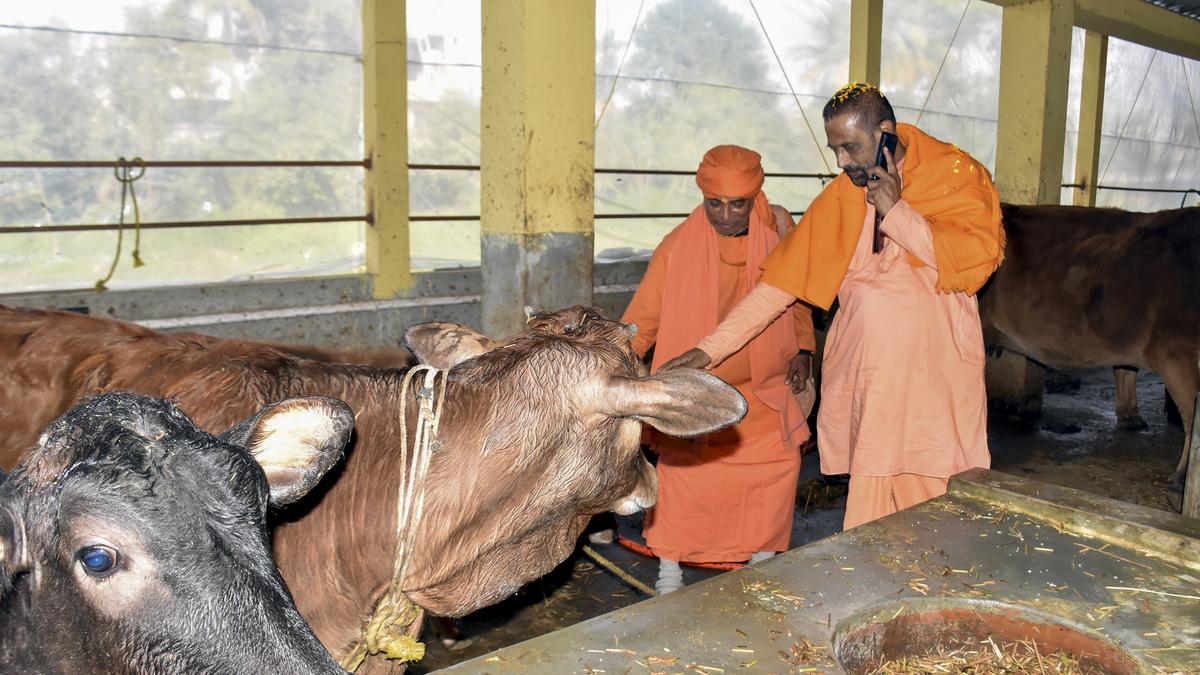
(670, 576)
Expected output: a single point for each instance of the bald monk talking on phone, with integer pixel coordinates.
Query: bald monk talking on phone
(903, 405)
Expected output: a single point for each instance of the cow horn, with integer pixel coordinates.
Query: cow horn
(531, 311)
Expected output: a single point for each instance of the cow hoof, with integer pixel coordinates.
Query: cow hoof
(1132, 422)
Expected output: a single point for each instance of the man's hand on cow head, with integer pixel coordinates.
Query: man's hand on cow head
(883, 188)
(683, 402)
(692, 358)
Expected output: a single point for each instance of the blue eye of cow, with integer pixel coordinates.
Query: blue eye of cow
(97, 559)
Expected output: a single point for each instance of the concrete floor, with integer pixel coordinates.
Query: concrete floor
(1097, 458)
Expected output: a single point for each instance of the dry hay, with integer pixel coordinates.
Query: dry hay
(987, 658)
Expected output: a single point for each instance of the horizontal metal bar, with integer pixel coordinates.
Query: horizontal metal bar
(608, 216)
(178, 164)
(678, 172)
(633, 172)
(365, 163)
(1125, 188)
(444, 167)
(34, 229)
(419, 219)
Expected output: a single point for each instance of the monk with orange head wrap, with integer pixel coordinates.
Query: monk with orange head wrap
(903, 405)
(728, 496)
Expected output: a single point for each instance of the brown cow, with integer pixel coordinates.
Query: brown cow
(538, 433)
(1085, 287)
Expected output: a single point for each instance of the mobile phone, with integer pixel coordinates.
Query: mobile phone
(886, 140)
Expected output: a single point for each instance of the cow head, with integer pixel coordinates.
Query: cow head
(120, 551)
(540, 432)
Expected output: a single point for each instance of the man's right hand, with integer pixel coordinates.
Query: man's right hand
(692, 358)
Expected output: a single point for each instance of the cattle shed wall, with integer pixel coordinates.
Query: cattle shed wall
(331, 311)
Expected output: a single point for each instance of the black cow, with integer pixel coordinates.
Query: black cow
(132, 541)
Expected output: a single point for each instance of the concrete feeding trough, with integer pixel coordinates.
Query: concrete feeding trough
(998, 563)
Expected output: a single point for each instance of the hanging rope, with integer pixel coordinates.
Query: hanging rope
(820, 148)
(126, 171)
(966, 6)
(620, 65)
(390, 630)
(1128, 117)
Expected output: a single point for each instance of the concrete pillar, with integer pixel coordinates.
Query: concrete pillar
(385, 139)
(537, 157)
(1091, 118)
(1035, 58)
(866, 40)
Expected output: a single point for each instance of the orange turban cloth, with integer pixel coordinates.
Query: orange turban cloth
(734, 172)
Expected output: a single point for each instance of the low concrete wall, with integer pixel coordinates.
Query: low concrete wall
(339, 311)
(324, 311)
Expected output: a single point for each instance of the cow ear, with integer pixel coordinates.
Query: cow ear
(12, 548)
(443, 345)
(296, 442)
(682, 402)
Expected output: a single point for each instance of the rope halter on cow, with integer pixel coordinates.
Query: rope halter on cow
(389, 630)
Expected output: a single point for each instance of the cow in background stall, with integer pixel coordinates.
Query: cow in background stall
(120, 553)
(538, 432)
(1085, 287)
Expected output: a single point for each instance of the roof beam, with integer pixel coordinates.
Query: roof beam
(1141, 22)
(1135, 21)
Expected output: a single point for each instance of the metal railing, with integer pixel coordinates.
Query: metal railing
(367, 217)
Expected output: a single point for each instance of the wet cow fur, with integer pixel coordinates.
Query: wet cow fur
(120, 553)
(1085, 287)
(539, 432)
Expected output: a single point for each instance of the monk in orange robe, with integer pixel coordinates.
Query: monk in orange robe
(903, 405)
(727, 496)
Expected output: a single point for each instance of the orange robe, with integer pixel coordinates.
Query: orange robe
(902, 377)
(902, 387)
(727, 495)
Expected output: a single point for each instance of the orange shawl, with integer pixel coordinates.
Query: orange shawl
(689, 311)
(947, 186)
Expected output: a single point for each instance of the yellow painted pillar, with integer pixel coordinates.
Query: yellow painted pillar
(866, 40)
(1091, 117)
(385, 139)
(1035, 57)
(537, 157)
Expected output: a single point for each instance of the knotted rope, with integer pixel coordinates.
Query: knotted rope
(386, 632)
(126, 171)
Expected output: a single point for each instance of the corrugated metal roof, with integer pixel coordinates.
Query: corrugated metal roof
(1185, 7)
